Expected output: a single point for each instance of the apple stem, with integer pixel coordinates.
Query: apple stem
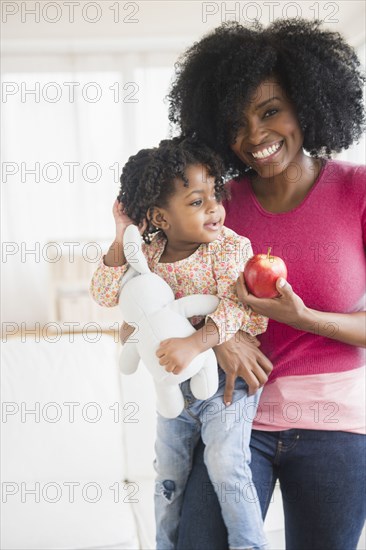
(269, 252)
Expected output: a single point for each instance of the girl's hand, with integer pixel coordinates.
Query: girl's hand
(175, 354)
(115, 256)
(123, 221)
(287, 308)
(241, 356)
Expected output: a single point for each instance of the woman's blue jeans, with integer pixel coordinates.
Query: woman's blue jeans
(226, 433)
(322, 478)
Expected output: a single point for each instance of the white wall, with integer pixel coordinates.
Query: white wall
(173, 20)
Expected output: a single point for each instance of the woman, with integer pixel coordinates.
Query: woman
(261, 98)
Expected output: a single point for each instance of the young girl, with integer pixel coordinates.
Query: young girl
(174, 193)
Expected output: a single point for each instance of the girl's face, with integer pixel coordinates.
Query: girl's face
(270, 137)
(193, 214)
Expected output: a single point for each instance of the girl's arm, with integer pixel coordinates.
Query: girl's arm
(239, 356)
(289, 309)
(105, 283)
(125, 332)
(175, 354)
(115, 256)
(231, 314)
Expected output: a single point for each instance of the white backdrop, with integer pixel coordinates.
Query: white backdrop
(62, 161)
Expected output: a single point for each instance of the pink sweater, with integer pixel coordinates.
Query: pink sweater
(323, 244)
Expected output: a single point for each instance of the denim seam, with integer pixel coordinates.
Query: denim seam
(269, 493)
(195, 418)
(288, 448)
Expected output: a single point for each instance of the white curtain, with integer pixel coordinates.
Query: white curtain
(62, 153)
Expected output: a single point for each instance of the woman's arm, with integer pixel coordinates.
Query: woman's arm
(241, 356)
(289, 309)
(349, 328)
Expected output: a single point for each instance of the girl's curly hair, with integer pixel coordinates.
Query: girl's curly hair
(319, 71)
(147, 179)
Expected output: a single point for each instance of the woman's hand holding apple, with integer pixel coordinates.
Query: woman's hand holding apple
(287, 307)
(264, 288)
(261, 273)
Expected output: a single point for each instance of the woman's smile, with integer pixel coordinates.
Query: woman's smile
(267, 152)
(269, 136)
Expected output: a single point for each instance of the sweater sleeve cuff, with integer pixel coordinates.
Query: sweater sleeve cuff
(114, 271)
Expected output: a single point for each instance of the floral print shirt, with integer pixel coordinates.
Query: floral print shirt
(212, 269)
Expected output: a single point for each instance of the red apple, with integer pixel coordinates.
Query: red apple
(261, 273)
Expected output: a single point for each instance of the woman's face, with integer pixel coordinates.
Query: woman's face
(269, 137)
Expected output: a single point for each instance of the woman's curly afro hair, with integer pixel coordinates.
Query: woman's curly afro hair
(318, 70)
(147, 179)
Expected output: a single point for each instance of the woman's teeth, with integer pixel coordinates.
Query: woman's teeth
(264, 153)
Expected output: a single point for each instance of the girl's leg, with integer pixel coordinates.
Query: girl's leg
(226, 433)
(175, 442)
(201, 526)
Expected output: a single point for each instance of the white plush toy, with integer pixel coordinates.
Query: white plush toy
(147, 302)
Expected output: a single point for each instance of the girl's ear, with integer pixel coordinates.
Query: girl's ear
(158, 218)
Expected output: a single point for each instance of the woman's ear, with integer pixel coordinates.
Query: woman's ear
(157, 217)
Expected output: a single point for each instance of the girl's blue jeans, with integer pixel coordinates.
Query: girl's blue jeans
(226, 433)
(322, 478)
